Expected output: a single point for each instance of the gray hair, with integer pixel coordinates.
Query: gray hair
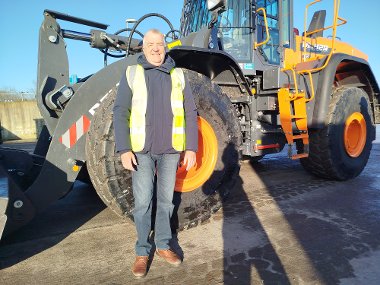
(153, 31)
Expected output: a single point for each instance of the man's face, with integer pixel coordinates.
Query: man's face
(154, 48)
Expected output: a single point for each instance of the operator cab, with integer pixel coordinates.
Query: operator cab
(241, 30)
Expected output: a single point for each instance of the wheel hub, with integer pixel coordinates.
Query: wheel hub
(355, 133)
(207, 156)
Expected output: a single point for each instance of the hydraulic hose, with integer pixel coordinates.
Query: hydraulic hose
(142, 19)
(105, 51)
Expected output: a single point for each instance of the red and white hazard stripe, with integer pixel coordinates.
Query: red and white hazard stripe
(75, 132)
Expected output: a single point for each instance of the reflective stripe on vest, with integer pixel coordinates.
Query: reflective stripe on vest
(136, 81)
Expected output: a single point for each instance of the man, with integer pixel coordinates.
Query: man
(155, 121)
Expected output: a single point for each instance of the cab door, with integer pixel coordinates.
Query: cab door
(278, 21)
(236, 33)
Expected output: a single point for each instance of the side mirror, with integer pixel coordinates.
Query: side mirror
(212, 5)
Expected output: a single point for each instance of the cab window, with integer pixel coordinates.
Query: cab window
(235, 30)
(270, 49)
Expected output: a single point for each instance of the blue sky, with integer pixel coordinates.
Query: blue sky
(20, 21)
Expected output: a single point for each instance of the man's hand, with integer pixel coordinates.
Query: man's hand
(189, 159)
(128, 159)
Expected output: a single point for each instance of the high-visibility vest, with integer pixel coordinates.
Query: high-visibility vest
(136, 81)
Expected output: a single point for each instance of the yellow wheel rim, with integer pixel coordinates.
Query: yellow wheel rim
(355, 134)
(207, 156)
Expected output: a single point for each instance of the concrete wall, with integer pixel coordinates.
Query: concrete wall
(20, 120)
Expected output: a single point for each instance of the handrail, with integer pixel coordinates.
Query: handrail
(304, 28)
(336, 9)
(343, 22)
(312, 87)
(309, 71)
(266, 29)
(296, 85)
(295, 79)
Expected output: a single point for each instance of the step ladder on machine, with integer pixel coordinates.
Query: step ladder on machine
(293, 102)
(292, 107)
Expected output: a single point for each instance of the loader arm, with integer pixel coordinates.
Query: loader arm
(30, 182)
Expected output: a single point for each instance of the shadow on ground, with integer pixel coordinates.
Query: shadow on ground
(51, 226)
(275, 234)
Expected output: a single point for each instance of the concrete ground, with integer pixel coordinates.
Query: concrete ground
(282, 226)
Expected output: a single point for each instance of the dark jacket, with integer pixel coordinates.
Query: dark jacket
(159, 115)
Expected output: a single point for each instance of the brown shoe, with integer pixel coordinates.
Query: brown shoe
(139, 268)
(169, 256)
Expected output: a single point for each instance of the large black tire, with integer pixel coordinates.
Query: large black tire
(216, 108)
(328, 157)
(113, 183)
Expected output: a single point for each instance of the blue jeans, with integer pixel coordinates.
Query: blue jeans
(143, 186)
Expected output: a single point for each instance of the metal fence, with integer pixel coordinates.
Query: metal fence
(15, 96)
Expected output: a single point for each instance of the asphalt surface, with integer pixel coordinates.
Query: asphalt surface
(282, 226)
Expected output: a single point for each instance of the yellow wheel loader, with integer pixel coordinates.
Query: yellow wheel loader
(258, 85)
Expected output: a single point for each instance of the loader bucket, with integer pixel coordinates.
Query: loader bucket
(18, 172)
